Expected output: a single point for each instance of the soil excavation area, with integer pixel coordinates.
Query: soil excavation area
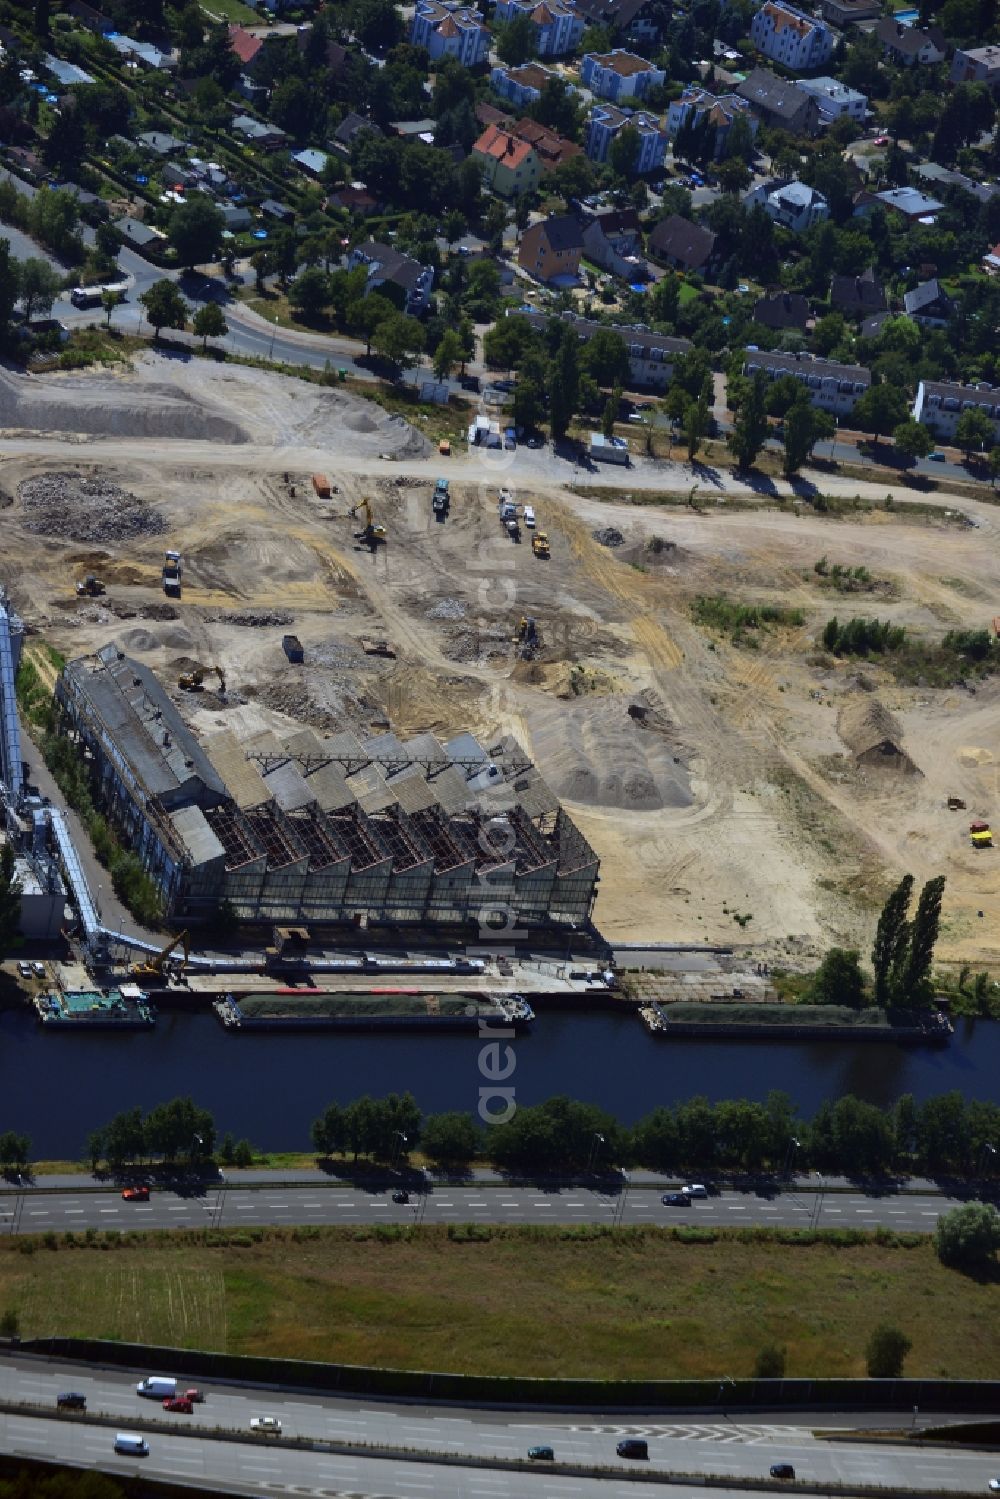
(709, 771)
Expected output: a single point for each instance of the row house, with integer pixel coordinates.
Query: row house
(652, 356)
(558, 27)
(607, 121)
(461, 34)
(940, 403)
(722, 109)
(619, 75)
(790, 37)
(832, 387)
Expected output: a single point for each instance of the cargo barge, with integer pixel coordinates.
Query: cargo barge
(711, 1024)
(374, 1009)
(126, 1008)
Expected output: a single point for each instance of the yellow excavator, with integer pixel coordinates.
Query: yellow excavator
(372, 536)
(194, 680)
(157, 966)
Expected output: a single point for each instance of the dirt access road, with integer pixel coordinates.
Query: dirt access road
(733, 811)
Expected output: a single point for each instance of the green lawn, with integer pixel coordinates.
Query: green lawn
(571, 1302)
(231, 10)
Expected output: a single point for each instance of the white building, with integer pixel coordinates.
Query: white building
(940, 404)
(619, 75)
(832, 387)
(793, 205)
(461, 34)
(835, 99)
(789, 37)
(558, 27)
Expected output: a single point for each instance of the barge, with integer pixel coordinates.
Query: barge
(771, 1022)
(126, 1008)
(373, 1009)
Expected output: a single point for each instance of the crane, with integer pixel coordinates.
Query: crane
(194, 680)
(372, 535)
(156, 966)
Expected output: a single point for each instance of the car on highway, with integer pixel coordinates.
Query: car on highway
(633, 1447)
(196, 1397)
(674, 1200)
(994, 1485)
(781, 1470)
(401, 1195)
(135, 1194)
(695, 1189)
(541, 1454)
(130, 1445)
(179, 1403)
(268, 1426)
(71, 1400)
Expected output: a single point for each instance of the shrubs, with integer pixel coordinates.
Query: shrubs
(862, 637)
(969, 1235)
(770, 1362)
(960, 654)
(730, 618)
(886, 1352)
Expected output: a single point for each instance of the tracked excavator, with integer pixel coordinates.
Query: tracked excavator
(194, 680)
(159, 965)
(373, 535)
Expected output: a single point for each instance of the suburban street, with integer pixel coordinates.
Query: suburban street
(42, 1207)
(711, 1445)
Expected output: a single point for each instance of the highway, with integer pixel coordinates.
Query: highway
(38, 1208)
(722, 1447)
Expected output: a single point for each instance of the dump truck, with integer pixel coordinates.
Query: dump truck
(441, 502)
(378, 648)
(513, 529)
(980, 834)
(540, 545)
(89, 587)
(173, 569)
(321, 485)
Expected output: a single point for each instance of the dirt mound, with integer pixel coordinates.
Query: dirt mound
(609, 536)
(447, 609)
(72, 506)
(255, 619)
(594, 753)
(874, 736)
(139, 640)
(110, 407)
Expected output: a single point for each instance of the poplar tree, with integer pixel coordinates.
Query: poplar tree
(891, 937)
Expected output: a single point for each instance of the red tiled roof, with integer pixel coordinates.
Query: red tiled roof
(502, 146)
(243, 44)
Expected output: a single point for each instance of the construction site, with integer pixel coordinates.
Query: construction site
(374, 702)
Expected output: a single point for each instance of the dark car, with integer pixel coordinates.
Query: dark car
(71, 1400)
(469, 382)
(782, 1470)
(633, 1447)
(400, 1195)
(674, 1200)
(535, 442)
(541, 1454)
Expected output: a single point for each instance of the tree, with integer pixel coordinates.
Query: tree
(623, 152)
(40, 19)
(750, 428)
(886, 1351)
(65, 144)
(243, 1154)
(839, 980)
(291, 107)
(165, 307)
(329, 1131)
(915, 986)
(377, 24)
(399, 340)
(447, 354)
(452, 1139)
(364, 316)
(805, 425)
(605, 357)
(968, 1235)
(880, 410)
(10, 901)
(973, 430)
(564, 385)
(912, 439)
(734, 175)
(695, 426)
(40, 284)
(609, 415)
(891, 939)
(195, 230)
(210, 322)
(109, 301)
(515, 40)
(309, 294)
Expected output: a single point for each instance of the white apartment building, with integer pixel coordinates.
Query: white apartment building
(789, 37)
(832, 387)
(940, 403)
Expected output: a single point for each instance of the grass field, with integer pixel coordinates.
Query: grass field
(636, 1303)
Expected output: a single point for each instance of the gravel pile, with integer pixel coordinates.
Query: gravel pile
(254, 619)
(447, 609)
(609, 536)
(71, 506)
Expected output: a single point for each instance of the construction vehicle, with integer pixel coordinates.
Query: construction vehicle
(526, 632)
(173, 569)
(441, 502)
(89, 587)
(160, 965)
(372, 535)
(956, 804)
(444, 448)
(512, 528)
(378, 648)
(321, 485)
(194, 680)
(981, 834)
(540, 545)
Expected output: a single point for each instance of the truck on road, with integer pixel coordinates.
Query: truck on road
(156, 1387)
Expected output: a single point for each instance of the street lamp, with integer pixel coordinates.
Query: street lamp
(597, 1141)
(984, 1150)
(399, 1148)
(793, 1144)
(623, 1200)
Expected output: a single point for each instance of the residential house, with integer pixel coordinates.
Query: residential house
(311, 161)
(350, 128)
(779, 103)
(558, 26)
(940, 403)
(140, 52)
(619, 75)
(677, 242)
(265, 137)
(613, 241)
(175, 175)
(976, 65)
(551, 148)
(66, 73)
(608, 120)
(158, 143)
(789, 37)
(142, 237)
(550, 251)
(871, 327)
(835, 100)
(390, 269)
(510, 166)
(721, 109)
(910, 204)
(636, 20)
(246, 46)
(235, 217)
(844, 13)
(651, 355)
(281, 213)
(781, 310)
(929, 304)
(930, 171)
(354, 199)
(790, 203)
(991, 261)
(832, 387)
(89, 17)
(523, 85)
(858, 296)
(445, 32)
(27, 163)
(908, 45)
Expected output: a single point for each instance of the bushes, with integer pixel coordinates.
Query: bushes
(717, 612)
(960, 654)
(886, 1352)
(862, 637)
(969, 1235)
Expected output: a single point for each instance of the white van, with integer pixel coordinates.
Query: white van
(529, 517)
(156, 1388)
(131, 1445)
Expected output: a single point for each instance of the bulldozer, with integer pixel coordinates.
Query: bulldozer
(158, 966)
(89, 587)
(194, 681)
(526, 636)
(372, 536)
(540, 545)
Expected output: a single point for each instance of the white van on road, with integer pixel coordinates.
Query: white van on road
(131, 1445)
(157, 1388)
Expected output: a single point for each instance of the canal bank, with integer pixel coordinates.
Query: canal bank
(269, 1088)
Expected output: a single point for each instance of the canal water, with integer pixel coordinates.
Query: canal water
(269, 1087)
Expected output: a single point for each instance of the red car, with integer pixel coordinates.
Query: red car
(195, 1396)
(136, 1194)
(179, 1403)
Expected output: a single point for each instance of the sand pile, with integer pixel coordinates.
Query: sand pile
(874, 736)
(74, 507)
(110, 407)
(594, 753)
